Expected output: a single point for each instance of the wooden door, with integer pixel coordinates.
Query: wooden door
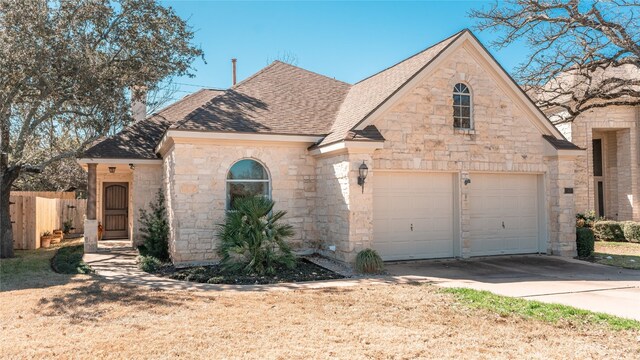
(116, 210)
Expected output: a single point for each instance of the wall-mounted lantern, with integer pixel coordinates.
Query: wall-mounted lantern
(363, 170)
(112, 169)
(467, 181)
(132, 167)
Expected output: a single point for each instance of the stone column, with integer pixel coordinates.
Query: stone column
(561, 210)
(90, 221)
(360, 205)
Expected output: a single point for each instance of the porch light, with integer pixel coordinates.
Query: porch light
(363, 170)
(132, 167)
(112, 169)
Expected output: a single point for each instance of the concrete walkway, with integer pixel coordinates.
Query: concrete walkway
(119, 265)
(549, 279)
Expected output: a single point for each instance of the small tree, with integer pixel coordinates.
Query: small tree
(252, 239)
(155, 229)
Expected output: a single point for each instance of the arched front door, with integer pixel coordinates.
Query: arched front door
(116, 211)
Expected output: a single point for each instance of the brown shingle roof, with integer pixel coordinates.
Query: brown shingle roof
(279, 99)
(138, 140)
(561, 144)
(368, 94)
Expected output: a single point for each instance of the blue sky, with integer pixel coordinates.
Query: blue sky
(344, 40)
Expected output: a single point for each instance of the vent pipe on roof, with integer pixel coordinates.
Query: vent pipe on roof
(233, 70)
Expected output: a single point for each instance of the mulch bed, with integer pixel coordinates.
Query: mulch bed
(304, 271)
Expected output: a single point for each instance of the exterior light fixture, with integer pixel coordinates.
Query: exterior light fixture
(132, 167)
(363, 170)
(112, 169)
(467, 181)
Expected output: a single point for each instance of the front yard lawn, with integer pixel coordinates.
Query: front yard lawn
(553, 313)
(304, 271)
(88, 317)
(621, 254)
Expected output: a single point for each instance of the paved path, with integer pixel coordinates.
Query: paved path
(119, 265)
(549, 279)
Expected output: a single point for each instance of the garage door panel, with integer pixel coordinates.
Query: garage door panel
(413, 215)
(503, 214)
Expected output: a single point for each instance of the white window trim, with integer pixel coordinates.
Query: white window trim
(470, 94)
(228, 181)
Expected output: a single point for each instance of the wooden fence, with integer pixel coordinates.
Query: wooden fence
(47, 194)
(33, 215)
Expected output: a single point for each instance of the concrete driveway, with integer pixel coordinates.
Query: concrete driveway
(544, 278)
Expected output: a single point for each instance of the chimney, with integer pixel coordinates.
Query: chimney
(138, 103)
(233, 70)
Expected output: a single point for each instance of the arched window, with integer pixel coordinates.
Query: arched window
(462, 107)
(247, 177)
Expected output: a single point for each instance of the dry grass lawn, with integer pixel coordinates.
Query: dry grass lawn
(621, 254)
(84, 317)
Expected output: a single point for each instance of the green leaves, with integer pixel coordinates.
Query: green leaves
(253, 240)
(155, 229)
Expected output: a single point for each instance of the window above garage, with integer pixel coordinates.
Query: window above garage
(462, 107)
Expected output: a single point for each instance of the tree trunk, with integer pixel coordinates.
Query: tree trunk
(6, 233)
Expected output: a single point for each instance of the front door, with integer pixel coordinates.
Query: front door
(116, 210)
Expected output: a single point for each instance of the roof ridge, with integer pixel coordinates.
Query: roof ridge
(252, 76)
(414, 55)
(312, 72)
(179, 101)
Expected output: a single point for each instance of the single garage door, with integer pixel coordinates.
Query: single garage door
(413, 215)
(504, 214)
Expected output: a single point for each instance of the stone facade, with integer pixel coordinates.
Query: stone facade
(617, 127)
(420, 136)
(196, 189)
(143, 182)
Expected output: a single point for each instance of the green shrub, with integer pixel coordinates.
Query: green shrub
(148, 263)
(608, 231)
(586, 219)
(68, 260)
(252, 240)
(155, 229)
(631, 231)
(369, 262)
(585, 242)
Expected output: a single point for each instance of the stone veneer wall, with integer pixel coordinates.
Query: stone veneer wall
(619, 129)
(344, 209)
(146, 181)
(196, 186)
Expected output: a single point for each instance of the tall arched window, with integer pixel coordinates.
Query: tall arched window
(462, 107)
(247, 177)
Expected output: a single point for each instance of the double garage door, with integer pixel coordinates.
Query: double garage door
(415, 215)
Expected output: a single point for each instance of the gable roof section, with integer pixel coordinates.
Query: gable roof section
(561, 144)
(368, 94)
(138, 140)
(279, 99)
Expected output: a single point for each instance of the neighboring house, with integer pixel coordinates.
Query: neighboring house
(607, 176)
(460, 162)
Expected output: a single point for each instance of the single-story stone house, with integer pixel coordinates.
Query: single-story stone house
(460, 162)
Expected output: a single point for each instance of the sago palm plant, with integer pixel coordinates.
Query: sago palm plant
(252, 238)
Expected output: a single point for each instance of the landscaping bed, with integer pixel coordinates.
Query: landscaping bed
(213, 274)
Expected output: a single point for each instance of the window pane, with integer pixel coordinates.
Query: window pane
(456, 122)
(247, 169)
(457, 99)
(244, 189)
(457, 111)
(597, 157)
(465, 123)
(466, 112)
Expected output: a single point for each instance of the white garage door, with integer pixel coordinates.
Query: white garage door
(413, 215)
(504, 214)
